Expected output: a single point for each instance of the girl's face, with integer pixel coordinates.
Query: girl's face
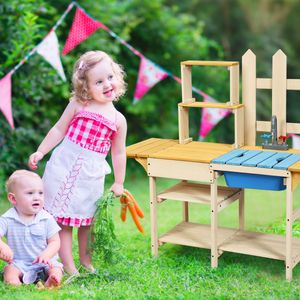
(102, 82)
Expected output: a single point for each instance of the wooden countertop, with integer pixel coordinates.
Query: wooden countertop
(201, 152)
(171, 149)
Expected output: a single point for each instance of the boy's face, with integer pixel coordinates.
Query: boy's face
(27, 195)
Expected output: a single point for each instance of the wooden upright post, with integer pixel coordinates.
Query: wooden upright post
(289, 230)
(234, 99)
(153, 215)
(214, 223)
(249, 96)
(183, 113)
(279, 79)
(234, 84)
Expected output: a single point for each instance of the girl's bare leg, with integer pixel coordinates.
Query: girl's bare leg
(12, 275)
(54, 277)
(65, 251)
(84, 253)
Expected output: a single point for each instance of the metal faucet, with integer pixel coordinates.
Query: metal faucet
(274, 145)
(274, 130)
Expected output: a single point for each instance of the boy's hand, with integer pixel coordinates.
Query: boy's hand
(43, 259)
(6, 253)
(34, 158)
(117, 189)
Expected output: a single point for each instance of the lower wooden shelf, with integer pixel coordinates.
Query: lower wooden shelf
(199, 193)
(194, 235)
(231, 240)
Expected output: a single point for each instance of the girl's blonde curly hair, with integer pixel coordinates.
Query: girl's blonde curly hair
(86, 62)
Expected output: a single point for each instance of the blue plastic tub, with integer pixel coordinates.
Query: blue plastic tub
(254, 181)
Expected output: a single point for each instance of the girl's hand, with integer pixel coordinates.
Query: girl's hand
(117, 189)
(34, 158)
(6, 253)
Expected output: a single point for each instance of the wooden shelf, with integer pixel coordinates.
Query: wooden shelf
(209, 63)
(260, 244)
(211, 105)
(231, 240)
(199, 193)
(194, 235)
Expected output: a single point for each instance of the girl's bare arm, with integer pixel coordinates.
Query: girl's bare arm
(118, 153)
(55, 135)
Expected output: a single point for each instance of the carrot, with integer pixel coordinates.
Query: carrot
(135, 217)
(137, 207)
(124, 204)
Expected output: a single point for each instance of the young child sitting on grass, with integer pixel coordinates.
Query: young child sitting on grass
(32, 233)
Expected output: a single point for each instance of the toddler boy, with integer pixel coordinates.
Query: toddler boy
(32, 233)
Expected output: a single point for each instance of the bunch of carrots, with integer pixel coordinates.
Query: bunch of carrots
(129, 203)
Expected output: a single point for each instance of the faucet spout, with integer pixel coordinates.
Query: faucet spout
(274, 130)
(274, 145)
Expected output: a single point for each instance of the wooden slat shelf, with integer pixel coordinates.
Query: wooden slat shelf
(211, 105)
(197, 193)
(231, 240)
(209, 63)
(260, 244)
(194, 235)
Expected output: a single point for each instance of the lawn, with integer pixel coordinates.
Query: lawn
(179, 272)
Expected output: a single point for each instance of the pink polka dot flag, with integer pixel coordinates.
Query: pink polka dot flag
(82, 27)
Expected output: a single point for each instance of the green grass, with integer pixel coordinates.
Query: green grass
(179, 272)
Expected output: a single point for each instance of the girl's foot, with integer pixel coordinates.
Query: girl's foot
(89, 268)
(71, 271)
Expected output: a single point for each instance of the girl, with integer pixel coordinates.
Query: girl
(89, 127)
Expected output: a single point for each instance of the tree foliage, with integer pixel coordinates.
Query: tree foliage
(166, 32)
(161, 32)
(264, 26)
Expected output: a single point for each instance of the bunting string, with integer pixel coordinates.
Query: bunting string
(137, 53)
(82, 27)
(69, 8)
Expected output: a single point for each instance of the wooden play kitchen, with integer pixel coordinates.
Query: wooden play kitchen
(244, 164)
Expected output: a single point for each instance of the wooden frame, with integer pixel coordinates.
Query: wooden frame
(188, 101)
(279, 84)
(192, 161)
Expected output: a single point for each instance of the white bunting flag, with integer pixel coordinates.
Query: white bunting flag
(49, 49)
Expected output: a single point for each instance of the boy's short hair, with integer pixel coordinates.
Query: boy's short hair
(15, 176)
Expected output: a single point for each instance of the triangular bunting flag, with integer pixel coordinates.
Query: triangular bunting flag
(210, 118)
(296, 141)
(49, 49)
(149, 75)
(5, 99)
(83, 26)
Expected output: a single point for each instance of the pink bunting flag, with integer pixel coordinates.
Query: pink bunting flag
(5, 99)
(149, 75)
(83, 26)
(210, 118)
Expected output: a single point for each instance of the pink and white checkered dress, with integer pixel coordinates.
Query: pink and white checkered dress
(74, 175)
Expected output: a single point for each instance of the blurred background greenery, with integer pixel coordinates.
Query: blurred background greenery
(166, 32)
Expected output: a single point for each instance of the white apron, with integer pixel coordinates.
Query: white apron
(74, 181)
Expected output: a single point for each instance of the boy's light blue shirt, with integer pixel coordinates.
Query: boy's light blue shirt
(27, 241)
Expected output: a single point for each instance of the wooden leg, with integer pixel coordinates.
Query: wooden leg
(214, 224)
(242, 210)
(289, 232)
(153, 216)
(185, 211)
